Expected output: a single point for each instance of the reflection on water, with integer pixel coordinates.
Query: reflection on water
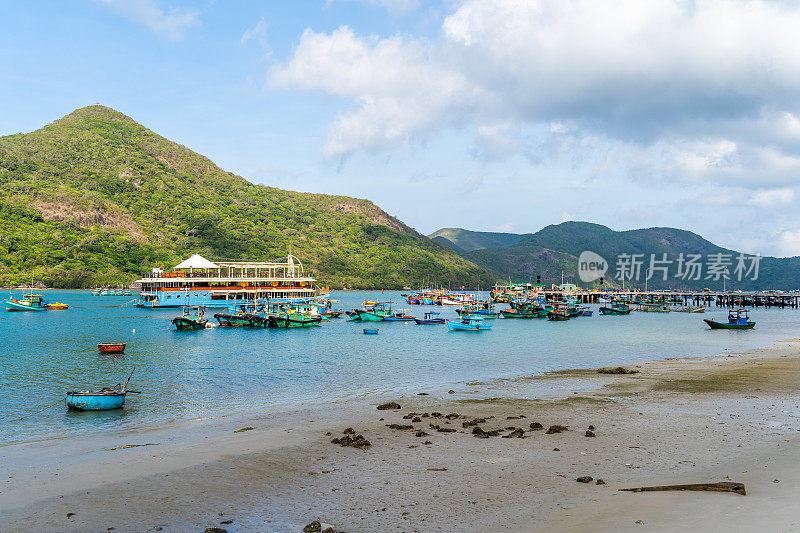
(195, 374)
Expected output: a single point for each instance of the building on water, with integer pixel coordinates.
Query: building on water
(198, 281)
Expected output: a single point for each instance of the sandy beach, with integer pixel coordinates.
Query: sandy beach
(687, 420)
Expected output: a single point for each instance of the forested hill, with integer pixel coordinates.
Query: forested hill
(96, 198)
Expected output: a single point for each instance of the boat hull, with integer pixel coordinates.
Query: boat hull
(19, 306)
(429, 322)
(80, 401)
(458, 326)
(370, 331)
(286, 322)
(368, 316)
(186, 324)
(111, 347)
(613, 311)
(721, 325)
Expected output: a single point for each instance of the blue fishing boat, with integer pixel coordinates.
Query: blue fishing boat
(430, 319)
(737, 319)
(468, 324)
(103, 399)
(584, 311)
(370, 331)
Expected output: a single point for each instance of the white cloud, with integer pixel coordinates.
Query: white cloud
(709, 88)
(772, 197)
(507, 227)
(257, 34)
(171, 24)
(789, 243)
(566, 216)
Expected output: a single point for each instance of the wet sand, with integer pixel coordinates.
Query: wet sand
(684, 420)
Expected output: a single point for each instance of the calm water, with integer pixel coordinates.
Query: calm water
(194, 374)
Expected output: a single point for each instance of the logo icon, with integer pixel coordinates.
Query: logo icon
(591, 266)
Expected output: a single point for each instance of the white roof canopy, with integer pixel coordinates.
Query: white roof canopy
(196, 261)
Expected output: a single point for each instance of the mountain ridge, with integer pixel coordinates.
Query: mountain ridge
(557, 246)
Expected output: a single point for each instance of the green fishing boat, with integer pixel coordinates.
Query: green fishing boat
(29, 302)
(615, 309)
(192, 319)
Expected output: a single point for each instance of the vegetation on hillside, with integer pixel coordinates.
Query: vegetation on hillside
(558, 246)
(96, 198)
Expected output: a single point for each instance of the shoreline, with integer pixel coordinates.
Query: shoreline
(710, 411)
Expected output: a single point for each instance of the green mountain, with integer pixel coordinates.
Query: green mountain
(556, 247)
(96, 198)
(467, 241)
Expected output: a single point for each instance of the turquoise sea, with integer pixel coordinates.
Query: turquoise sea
(190, 375)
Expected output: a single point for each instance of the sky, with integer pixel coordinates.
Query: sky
(491, 115)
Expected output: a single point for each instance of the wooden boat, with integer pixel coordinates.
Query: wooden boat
(29, 302)
(229, 320)
(111, 347)
(370, 331)
(468, 324)
(298, 321)
(701, 309)
(737, 319)
(530, 312)
(429, 319)
(615, 309)
(377, 313)
(103, 399)
(57, 306)
(653, 307)
(560, 312)
(399, 317)
(192, 319)
(584, 311)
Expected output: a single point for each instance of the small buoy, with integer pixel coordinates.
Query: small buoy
(209, 325)
(134, 330)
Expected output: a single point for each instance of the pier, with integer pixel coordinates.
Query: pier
(697, 298)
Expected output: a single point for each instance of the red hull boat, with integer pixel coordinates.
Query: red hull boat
(111, 347)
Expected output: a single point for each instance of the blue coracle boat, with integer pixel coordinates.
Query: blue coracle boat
(471, 323)
(370, 331)
(104, 399)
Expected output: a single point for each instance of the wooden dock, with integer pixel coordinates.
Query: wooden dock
(686, 298)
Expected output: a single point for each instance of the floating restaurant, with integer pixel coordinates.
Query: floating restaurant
(198, 281)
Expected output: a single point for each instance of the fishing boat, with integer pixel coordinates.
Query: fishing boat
(111, 347)
(615, 309)
(96, 292)
(57, 306)
(737, 319)
(701, 309)
(399, 317)
(653, 307)
(29, 302)
(430, 319)
(293, 316)
(370, 331)
(103, 399)
(332, 313)
(377, 313)
(192, 318)
(560, 312)
(525, 310)
(468, 324)
(584, 311)
(479, 309)
(228, 320)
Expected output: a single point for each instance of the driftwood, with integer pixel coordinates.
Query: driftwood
(724, 486)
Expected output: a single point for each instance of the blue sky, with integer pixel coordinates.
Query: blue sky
(490, 115)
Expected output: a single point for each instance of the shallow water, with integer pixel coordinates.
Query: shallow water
(189, 375)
